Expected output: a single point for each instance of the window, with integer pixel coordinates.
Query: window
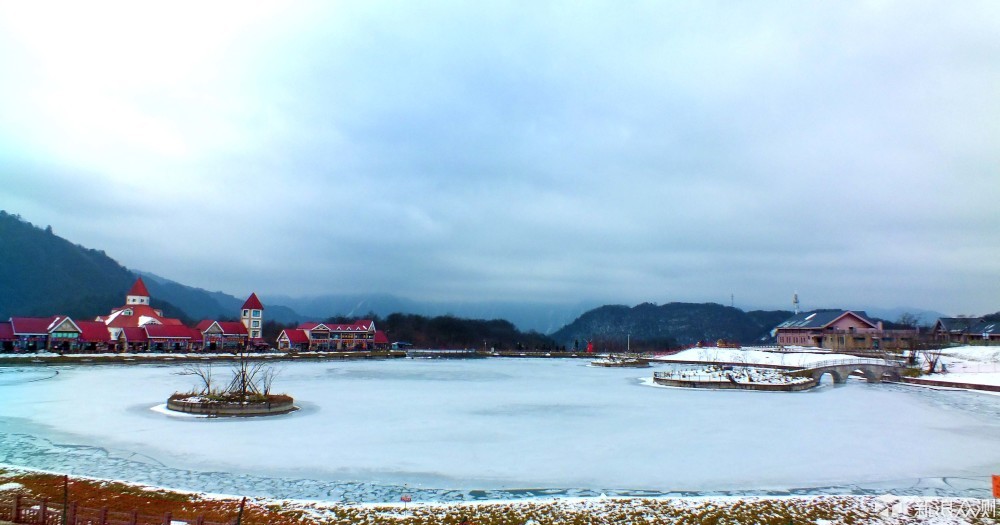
(127, 311)
(256, 324)
(256, 313)
(246, 313)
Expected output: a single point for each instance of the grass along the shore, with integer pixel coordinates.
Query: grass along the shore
(579, 511)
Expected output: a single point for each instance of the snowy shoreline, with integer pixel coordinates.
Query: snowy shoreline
(601, 509)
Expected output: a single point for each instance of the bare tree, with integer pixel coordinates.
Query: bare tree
(740, 357)
(202, 372)
(267, 379)
(908, 320)
(931, 356)
(245, 377)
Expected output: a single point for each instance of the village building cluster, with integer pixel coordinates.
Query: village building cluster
(846, 330)
(137, 327)
(134, 327)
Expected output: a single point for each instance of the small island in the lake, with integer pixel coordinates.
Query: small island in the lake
(248, 393)
(622, 361)
(726, 377)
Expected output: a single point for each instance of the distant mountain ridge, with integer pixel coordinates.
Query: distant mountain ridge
(671, 324)
(544, 318)
(202, 304)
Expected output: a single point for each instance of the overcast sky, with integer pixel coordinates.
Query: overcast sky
(530, 151)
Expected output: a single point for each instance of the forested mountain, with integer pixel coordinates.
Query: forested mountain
(649, 326)
(540, 317)
(44, 274)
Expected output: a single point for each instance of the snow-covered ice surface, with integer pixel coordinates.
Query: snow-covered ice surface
(453, 430)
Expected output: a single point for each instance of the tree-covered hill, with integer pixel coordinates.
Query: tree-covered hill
(43, 274)
(650, 327)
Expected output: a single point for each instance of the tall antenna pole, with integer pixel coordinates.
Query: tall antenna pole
(795, 302)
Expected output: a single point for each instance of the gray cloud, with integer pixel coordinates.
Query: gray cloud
(553, 152)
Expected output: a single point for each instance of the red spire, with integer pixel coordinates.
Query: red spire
(139, 289)
(253, 303)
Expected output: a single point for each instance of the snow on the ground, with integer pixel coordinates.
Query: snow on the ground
(978, 365)
(713, 373)
(975, 378)
(789, 357)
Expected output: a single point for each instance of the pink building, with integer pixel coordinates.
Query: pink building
(841, 330)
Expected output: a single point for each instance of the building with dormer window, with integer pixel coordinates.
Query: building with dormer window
(332, 337)
(135, 313)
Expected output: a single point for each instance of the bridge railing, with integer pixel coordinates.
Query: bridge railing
(858, 361)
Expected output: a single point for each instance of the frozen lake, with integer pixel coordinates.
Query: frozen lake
(499, 428)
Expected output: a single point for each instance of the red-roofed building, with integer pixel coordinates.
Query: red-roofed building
(134, 327)
(133, 339)
(94, 337)
(138, 294)
(222, 336)
(58, 333)
(168, 338)
(136, 312)
(293, 340)
(7, 337)
(331, 337)
(381, 341)
(32, 333)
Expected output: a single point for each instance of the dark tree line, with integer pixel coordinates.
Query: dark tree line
(443, 332)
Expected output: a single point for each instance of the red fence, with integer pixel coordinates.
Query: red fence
(47, 512)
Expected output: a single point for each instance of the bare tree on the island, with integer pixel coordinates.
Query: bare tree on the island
(202, 372)
(246, 374)
(742, 361)
(267, 377)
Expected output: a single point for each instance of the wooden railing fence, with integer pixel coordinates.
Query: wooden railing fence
(22, 509)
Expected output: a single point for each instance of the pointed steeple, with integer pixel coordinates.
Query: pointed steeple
(138, 294)
(253, 303)
(252, 316)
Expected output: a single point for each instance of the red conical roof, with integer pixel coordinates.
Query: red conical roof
(253, 303)
(139, 288)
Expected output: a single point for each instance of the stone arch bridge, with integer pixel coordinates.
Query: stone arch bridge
(873, 369)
